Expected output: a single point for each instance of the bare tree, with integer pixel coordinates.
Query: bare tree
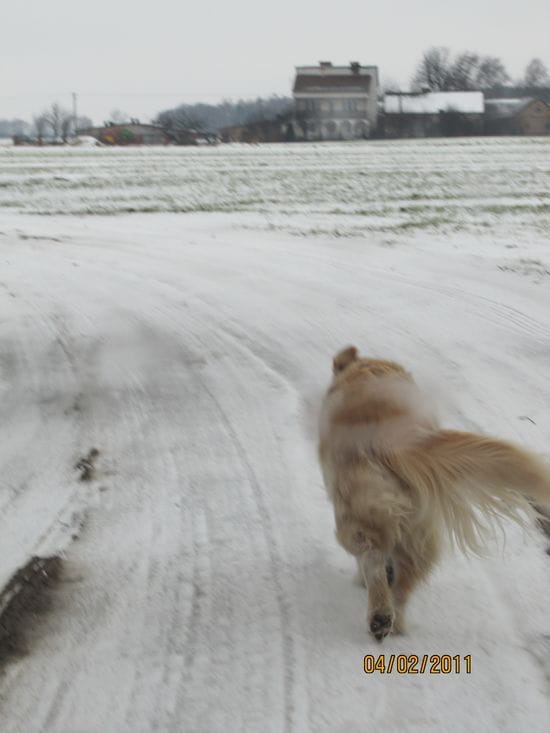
(433, 69)
(536, 74)
(59, 121)
(491, 73)
(67, 123)
(181, 119)
(467, 71)
(463, 72)
(40, 123)
(54, 117)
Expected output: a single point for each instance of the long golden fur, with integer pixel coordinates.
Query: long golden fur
(398, 482)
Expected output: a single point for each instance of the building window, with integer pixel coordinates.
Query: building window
(351, 105)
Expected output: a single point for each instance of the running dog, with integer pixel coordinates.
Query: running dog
(398, 482)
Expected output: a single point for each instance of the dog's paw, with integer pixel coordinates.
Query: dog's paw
(381, 623)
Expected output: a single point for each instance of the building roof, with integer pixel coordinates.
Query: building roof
(308, 83)
(424, 103)
(518, 93)
(502, 108)
(328, 78)
(141, 125)
(122, 125)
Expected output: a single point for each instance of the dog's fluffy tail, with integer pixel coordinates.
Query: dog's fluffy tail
(467, 479)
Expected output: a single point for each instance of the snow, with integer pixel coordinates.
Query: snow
(206, 591)
(430, 103)
(86, 141)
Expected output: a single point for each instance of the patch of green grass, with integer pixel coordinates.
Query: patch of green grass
(432, 223)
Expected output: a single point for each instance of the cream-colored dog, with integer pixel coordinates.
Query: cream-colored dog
(397, 481)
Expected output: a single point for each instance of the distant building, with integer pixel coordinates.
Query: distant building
(432, 114)
(519, 116)
(131, 133)
(335, 102)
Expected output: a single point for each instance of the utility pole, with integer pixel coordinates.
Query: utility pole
(74, 111)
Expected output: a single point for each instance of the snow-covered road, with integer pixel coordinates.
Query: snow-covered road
(206, 591)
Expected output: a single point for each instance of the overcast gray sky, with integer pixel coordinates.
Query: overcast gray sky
(142, 57)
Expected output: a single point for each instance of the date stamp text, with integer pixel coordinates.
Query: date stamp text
(414, 664)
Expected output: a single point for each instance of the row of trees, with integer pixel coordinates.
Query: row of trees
(212, 117)
(57, 123)
(54, 122)
(440, 71)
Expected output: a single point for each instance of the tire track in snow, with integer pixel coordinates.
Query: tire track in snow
(265, 518)
(275, 564)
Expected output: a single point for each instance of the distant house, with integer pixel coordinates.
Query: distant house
(519, 116)
(130, 133)
(432, 114)
(335, 102)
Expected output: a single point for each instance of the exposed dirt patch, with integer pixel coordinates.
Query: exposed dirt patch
(26, 598)
(86, 465)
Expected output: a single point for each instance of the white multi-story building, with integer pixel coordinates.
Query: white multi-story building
(335, 102)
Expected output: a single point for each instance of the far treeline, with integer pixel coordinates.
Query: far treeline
(438, 69)
(466, 71)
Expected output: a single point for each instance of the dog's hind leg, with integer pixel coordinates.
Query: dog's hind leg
(381, 614)
(359, 575)
(411, 566)
(360, 578)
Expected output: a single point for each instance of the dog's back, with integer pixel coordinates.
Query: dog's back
(372, 406)
(375, 420)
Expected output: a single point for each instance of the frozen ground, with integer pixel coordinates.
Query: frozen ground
(206, 591)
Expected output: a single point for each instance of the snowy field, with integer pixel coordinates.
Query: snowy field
(177, 309)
